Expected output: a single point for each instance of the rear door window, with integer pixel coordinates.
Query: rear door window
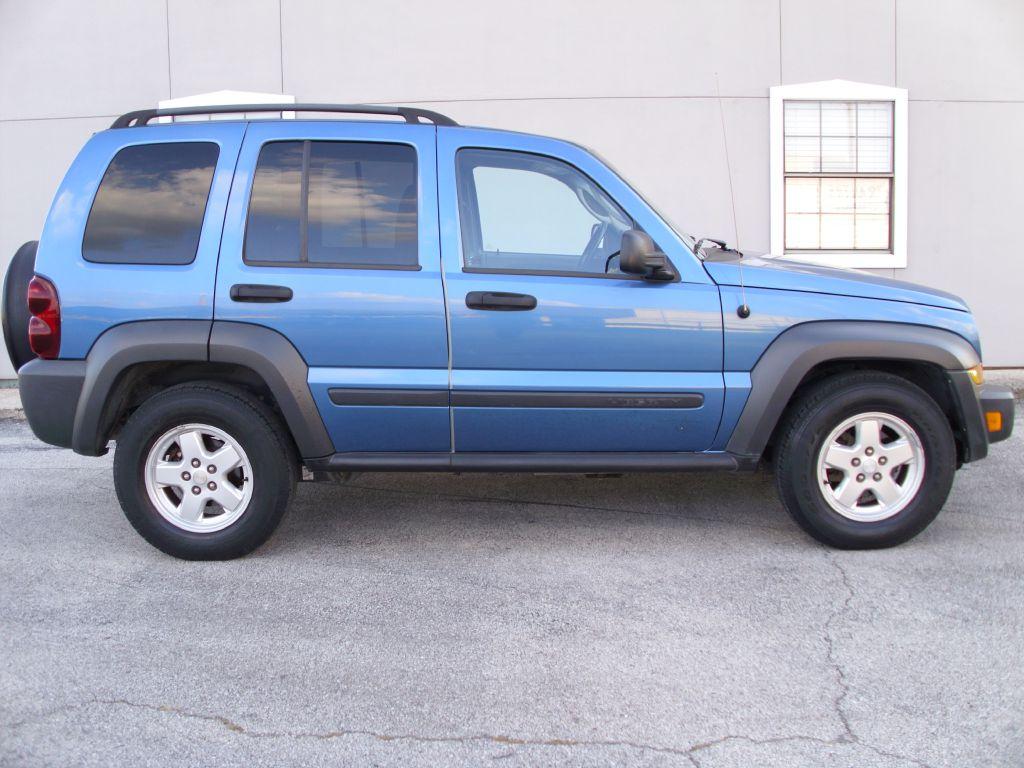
(334, 204)
(150, 204)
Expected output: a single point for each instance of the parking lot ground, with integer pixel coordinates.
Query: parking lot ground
(429, 620)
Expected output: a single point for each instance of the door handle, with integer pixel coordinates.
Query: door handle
(265, 294)
(500, 301)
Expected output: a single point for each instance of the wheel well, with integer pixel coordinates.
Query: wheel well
(929, 377)
(139, 382)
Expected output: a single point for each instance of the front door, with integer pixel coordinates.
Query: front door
(554, 349)
(343, 215)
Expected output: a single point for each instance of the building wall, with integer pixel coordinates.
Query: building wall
(638, 82)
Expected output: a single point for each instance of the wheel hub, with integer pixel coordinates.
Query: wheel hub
(199, 478)
(871, 467)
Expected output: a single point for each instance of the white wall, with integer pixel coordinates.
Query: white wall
(635, 81)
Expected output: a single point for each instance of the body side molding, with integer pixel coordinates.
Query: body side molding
(528, 462)
(797, 350)
(282, 368)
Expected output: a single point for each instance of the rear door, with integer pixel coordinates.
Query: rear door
(554, 349)
(331, 239)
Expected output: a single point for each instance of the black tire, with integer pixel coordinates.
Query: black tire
(247, 421)
(824, 408)
(14, 312)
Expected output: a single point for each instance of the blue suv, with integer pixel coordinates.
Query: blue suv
(244, 304)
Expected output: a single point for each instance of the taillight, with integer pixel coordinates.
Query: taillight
(44, 325)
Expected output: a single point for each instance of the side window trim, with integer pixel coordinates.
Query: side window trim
(303, 262)
(467, 183)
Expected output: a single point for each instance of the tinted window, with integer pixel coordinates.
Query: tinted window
(359, 209)
(523, 212)
(150, 204)
(275, 207)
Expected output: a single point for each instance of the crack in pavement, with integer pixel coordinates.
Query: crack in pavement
(690, 753)
(560, 505)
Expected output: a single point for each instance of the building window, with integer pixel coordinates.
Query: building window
(839, 174)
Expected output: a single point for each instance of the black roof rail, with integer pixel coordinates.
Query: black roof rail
(409, 114)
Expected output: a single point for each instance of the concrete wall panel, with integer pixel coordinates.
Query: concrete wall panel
(65, 58)
(950, 49)
(224, 45)
(829, 39)
(391, 50)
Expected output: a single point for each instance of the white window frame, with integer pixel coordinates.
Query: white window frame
(842, 90)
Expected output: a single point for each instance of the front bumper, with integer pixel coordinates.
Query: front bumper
(973, 404)
(997, 407)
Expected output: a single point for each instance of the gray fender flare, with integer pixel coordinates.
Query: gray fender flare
(147, 341)
(789, 358)
(266, 352)
(285, 373)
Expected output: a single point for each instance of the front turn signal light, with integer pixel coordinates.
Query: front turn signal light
(994, 421)
(977, 374)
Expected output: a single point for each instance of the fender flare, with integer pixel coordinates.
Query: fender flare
(266, 352)
(285, 373)
(794, 352)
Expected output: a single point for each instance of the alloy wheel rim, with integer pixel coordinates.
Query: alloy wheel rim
(871, 467)
(199, 478)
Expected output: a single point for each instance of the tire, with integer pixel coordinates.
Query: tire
(14, 313)
(150, 448)
(815, 456)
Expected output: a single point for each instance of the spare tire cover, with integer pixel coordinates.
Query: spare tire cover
(15, 304)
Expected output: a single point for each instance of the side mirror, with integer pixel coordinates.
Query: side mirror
(638, 256)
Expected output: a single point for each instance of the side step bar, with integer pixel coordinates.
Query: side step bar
(530, 462)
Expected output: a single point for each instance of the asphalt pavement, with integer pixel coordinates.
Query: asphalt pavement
(430, 620)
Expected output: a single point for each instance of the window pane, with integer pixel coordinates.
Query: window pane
(802, 155)
(874, 118)
(837, 195)
(836, 231)
(525, 212)
(802, 195)
(838, 118)
(873, 196)
(801, 230)
(275, 210)
(802, 118)
(874, 155)
(872, 231)
(362, 204)
(837, 154)
(150, 204)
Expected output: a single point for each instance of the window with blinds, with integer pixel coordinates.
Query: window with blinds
(838, 175)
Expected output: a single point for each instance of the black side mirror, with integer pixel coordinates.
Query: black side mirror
(638, 256)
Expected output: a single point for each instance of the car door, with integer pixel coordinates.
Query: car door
(553, 348)
(331, 239)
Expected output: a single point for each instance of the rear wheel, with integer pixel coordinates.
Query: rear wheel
(204, 472)
(865, 460)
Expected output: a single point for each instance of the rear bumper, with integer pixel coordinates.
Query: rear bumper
(49, 394)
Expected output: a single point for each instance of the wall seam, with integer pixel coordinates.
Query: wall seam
(167, 27)
(280, 39)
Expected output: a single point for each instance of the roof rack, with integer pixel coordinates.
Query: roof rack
(410, 114)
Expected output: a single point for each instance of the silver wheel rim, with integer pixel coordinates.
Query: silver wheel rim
(871, 467)
(198, 478)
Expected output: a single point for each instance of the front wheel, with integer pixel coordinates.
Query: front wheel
(865, 460)
(204, 472)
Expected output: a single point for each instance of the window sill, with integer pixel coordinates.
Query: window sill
(849, 259)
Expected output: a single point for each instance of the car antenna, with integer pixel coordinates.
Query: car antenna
(743, 310)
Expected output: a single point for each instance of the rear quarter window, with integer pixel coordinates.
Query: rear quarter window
(150, 204)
